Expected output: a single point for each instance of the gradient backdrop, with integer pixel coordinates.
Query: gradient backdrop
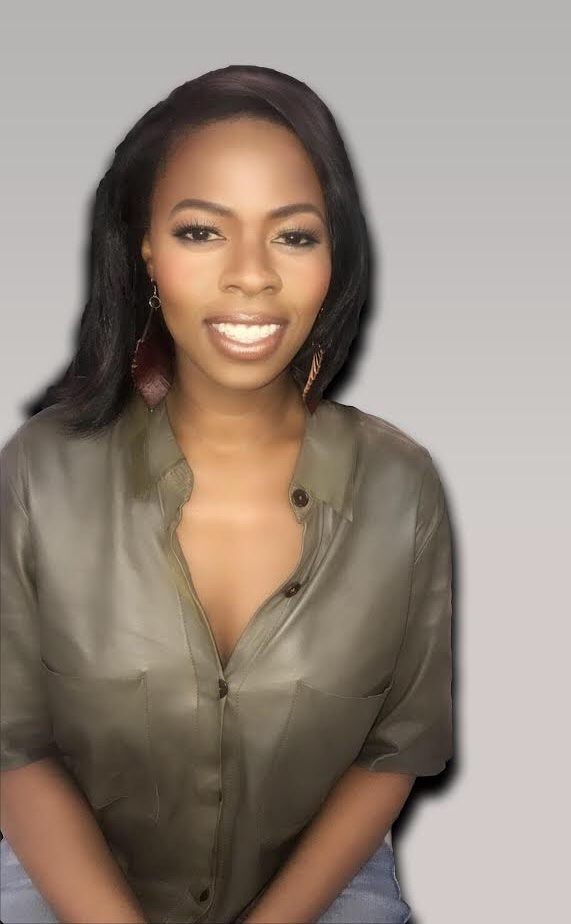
(456, 116)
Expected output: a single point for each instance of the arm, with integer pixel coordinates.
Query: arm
(53, 832)
(412, 736)
(348, 829)
(43, 814)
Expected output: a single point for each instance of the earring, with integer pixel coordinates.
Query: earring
(152, 364)
(311, 403)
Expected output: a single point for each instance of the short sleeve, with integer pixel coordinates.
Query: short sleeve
(25, 726)
(413, 731)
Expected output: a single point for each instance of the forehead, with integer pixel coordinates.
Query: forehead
(246, 164)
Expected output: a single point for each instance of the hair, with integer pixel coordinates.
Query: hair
(97, 383)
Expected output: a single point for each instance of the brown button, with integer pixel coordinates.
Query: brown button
(223, 688)
(204, 895)
(300, 497)
(292, 589)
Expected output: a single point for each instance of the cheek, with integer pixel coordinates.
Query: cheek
(182, 281)
(313, 281)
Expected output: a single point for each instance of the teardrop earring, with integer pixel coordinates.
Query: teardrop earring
(152, 364)
(312, 402)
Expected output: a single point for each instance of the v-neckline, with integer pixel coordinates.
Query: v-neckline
(250, 626)
(300, 514)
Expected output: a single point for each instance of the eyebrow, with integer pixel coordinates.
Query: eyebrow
(282, 212)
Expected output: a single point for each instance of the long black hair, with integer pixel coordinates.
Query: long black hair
(97, 384)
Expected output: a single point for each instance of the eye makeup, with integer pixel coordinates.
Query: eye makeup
(189, 227)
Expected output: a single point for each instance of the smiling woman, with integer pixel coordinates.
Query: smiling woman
(251, 286)
(226, 602)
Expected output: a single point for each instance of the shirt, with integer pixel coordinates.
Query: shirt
(202, 778)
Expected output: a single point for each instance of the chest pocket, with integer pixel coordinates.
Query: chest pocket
(321, 739)
(101, 728)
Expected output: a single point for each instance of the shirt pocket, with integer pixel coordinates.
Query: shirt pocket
(101, 727)
(322, 737)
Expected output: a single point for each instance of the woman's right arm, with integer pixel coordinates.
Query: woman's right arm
(53, 832)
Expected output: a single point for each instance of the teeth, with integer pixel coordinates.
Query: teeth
(247, 333)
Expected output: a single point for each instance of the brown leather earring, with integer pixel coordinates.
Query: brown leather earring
(152, 364)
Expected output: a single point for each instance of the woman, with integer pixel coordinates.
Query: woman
(226, 600)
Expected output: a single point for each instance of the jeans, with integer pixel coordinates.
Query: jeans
(373, 896)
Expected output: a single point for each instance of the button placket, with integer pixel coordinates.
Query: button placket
(302, 502)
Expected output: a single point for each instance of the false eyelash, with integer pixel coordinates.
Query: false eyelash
(183, 229)
(190, 225)
(304, 231)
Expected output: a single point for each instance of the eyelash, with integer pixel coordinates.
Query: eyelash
(181, 230)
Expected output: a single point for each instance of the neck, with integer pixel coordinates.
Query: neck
(235, 420)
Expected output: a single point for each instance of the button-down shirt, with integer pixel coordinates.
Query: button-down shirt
(202, 775)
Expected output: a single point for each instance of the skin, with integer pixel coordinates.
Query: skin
(249, 414)
(240, 422)
(251, 167)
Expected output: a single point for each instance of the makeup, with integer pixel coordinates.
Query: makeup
(246, 341)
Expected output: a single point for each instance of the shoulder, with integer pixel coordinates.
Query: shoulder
(378, 441)
(390, 463)
(41, 433)
(43, 453)
(35, 432)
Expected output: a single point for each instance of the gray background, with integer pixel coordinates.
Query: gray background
(456, 116)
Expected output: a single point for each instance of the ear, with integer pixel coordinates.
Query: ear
(146, 255)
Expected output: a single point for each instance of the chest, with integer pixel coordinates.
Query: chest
(240, 543)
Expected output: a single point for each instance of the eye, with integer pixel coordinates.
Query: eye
(311, 238)
(195, 227)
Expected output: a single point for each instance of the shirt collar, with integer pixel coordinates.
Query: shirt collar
(324, 468)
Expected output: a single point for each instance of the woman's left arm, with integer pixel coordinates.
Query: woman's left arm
(412, 736)
(349, 827)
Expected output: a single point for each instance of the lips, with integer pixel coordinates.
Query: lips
(256, 349)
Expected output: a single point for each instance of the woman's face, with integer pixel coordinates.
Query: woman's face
(237, 262)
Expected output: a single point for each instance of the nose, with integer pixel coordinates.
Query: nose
(249, 267)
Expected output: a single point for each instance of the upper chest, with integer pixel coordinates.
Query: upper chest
(241, 541)
(113, 596)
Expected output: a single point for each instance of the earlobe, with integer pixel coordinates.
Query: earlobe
(146, 255)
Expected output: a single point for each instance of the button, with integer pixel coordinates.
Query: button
(223, 688)
(204, 895)
(292, 589)
(300, 497)
(220, 795)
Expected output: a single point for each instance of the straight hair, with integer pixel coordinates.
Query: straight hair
(97, 383)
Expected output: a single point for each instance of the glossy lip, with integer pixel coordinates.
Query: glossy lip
(242, 318)
(260, 349)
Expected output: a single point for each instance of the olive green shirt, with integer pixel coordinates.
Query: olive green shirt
(202, 775)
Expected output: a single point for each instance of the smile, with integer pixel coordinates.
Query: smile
(246, 341)
(247, 333)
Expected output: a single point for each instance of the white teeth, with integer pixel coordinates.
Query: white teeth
(247, 333)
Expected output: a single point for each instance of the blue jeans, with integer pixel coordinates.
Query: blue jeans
(373, 896)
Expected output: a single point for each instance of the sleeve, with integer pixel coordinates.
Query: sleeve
(413, 731)
(25, 726)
